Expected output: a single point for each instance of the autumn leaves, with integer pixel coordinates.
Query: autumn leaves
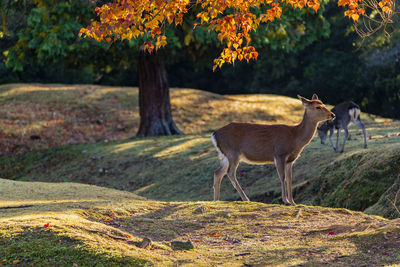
(232, 20)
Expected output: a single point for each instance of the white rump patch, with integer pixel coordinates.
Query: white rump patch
(354, 113)
(220, 155)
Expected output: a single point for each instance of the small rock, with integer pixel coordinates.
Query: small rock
(180, 245)
(145, 243)
(273, 214)
(200, 210)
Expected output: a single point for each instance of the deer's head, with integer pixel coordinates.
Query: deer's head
(315, 109)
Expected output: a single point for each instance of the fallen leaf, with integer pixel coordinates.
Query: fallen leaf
(332, 233)
(46, 225)
(196, 240)
(3, 261)
(214, 234)
(16, 261)
(113, 216)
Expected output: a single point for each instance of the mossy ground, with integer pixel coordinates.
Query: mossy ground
(91, 224)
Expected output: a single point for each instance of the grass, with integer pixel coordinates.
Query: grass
(102, 230)
(179, 168)
(65, 178)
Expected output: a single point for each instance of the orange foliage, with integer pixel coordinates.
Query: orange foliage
(127, 19)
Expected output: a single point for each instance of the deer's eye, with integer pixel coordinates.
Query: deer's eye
(318, 107)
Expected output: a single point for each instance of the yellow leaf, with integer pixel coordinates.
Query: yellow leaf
(355, 17)
(386, 9)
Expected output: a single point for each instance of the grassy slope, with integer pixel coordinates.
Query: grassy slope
(179, 168)
(90, 225)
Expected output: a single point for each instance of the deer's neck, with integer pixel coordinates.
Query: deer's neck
(306, 129)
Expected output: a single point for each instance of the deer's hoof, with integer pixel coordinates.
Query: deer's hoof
(365, 146)
(341, 151)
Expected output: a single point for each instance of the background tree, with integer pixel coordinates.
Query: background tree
(130, 20)
(296, 55)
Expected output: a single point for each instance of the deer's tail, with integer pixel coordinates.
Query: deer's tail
(354, 113)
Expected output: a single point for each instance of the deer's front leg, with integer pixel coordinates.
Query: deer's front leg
(346, 135)
(280, 168)
(331, 131)
(337, 139)
(288, 180)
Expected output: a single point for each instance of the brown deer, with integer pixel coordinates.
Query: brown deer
(266, 144)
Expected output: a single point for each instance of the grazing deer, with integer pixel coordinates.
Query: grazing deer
(346, 113)
(263, 144)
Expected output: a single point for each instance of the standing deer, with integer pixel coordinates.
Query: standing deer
(267, 144)
(346, 113)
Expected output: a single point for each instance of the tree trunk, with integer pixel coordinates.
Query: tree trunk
(154, 102)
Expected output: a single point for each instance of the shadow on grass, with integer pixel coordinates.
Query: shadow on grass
(43, 247)
(164, 224)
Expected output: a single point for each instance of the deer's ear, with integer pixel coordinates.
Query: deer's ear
(304, 100)
(314, 97)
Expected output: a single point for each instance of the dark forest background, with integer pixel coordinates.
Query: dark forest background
(304, 53)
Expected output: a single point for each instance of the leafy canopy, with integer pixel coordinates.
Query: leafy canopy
(232, 20)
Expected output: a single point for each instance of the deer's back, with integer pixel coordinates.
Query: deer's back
(345, 112)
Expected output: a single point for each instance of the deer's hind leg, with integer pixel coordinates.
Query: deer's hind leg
(233, 164)
(219, 175)
(359, 123)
